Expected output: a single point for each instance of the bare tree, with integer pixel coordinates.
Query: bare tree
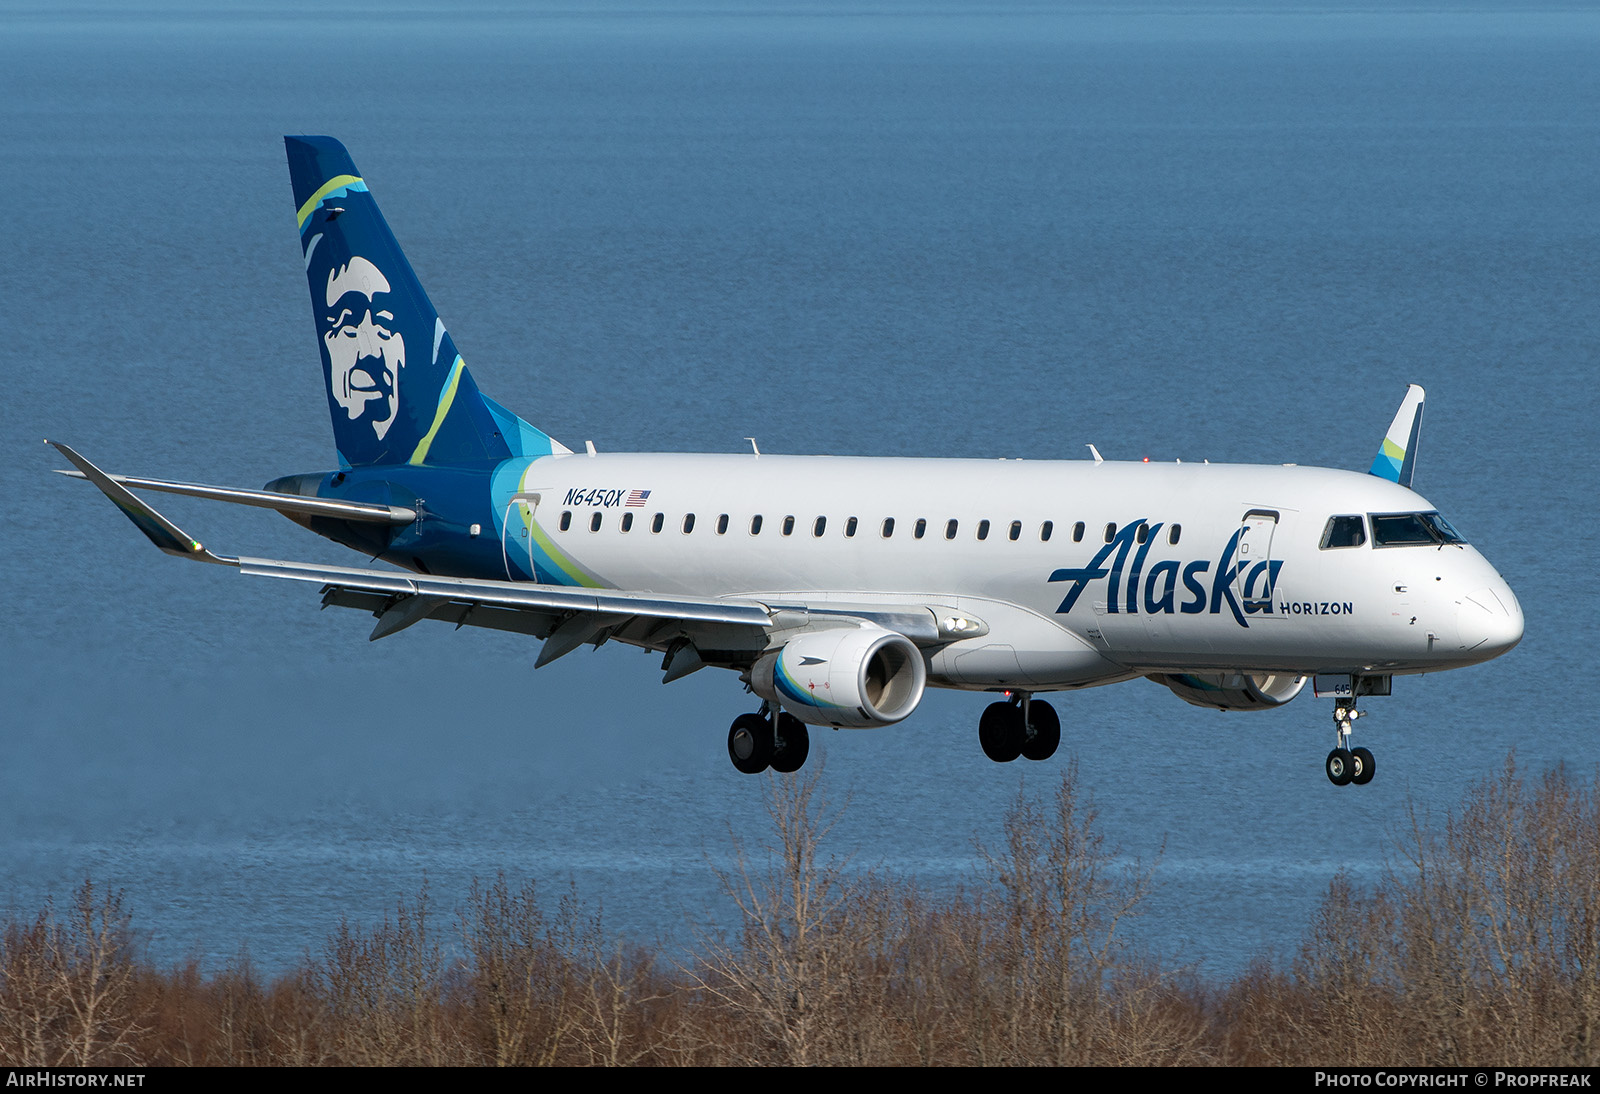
(1344, 982)
(1499, 919)
(524, 995)
(1063, 897)
(67, 988)
(33, 1005)
(782, 981)
(384, 990)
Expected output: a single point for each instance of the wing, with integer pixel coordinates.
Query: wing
(565, 618)
(692, 631)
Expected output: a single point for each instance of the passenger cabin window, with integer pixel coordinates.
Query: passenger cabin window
(566, 519)
(1412, 530)
(788, 526)
(1111, 532)
(1045, 529)
(1344, 532)
(921, 528)
(688, 523)
(950, 529)
(627, 522)
(983, 529)
(819, 527)
(1173, 533)
(722, 525)
(1143, 533)
(888, 527)
(658, 522)
(755, 526)
(1077, 532)
(594, 523)
(850, 528)
(1016, 530)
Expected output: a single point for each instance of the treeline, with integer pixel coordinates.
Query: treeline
(1482, 946)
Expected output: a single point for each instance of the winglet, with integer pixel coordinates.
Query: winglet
(1397, 456)
(157, 528)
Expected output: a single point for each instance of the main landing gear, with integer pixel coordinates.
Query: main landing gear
(1019, 726)
(1347, 765)
(755, 743)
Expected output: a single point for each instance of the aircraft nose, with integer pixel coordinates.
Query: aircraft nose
(1489, 621)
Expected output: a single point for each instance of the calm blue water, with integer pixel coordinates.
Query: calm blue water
(1196, 231)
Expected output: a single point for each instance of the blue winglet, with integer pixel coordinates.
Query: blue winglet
(157, 528)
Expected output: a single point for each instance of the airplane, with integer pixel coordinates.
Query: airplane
(841, 588)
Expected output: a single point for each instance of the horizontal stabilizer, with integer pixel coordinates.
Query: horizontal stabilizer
(157, 528)
(1397, 456)
(269, 499)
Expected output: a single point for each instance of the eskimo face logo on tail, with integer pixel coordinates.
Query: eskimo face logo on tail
(365, 351)
(1155, 591)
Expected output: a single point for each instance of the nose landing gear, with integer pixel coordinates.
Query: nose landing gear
(1019, 726)
(755, 743)
(1346, 765)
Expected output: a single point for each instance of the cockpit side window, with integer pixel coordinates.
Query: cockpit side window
(1344, 532)
(1412, 530)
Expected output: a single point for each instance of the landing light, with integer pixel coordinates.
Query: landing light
(960, 626)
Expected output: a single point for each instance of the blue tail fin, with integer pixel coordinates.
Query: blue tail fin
(397, 389)
(1397, 455)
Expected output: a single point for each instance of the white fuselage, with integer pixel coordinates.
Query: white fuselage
(1266, 599)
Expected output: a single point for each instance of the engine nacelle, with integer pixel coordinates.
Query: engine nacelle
(1233, 690)
(850, 677)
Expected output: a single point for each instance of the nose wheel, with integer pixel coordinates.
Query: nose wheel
(758, 741)
(1346, 765)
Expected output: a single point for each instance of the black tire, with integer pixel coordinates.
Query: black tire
(1365, 766)
(1340, 767)
(791, 754)
(750, 743)
(1000, 732)
(1043, 733)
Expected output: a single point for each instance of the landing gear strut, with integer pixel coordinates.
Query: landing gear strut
(1347, 765)
(758, 741)
(1019, 726)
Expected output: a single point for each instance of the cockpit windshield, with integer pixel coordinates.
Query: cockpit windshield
(1412, 530)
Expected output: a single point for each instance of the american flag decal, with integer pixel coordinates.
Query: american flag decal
(636, 499)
